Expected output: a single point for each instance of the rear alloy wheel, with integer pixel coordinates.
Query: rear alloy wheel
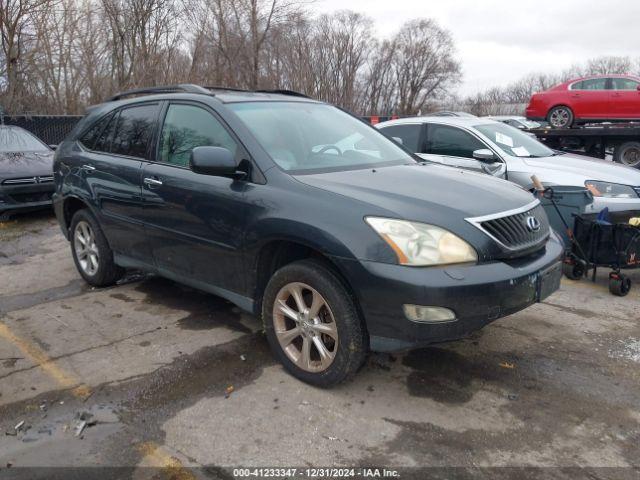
(312, 323)
(628, 154)
(84, 243)
(560, 117)
(91, 252)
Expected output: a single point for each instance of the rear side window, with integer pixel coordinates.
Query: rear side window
(134, 131)
(409, 134)
(187, 127)
(90, 137)
(452, 141)
(624, 84)
(591, 84)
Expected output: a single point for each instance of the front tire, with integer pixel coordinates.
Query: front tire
(560, 117)
(91, 252)
(312, 324)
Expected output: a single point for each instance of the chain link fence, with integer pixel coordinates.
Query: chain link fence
(51, 129)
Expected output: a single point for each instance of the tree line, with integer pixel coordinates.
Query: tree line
(58, 56)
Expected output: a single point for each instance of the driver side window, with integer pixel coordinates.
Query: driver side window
(187, 127)
(452, 142)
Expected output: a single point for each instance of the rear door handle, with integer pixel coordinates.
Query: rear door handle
(152, 182)
(88, 168)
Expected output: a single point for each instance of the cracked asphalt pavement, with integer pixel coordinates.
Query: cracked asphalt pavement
(168, 377)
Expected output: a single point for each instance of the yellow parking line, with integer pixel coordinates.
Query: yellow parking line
(64, 379)
(155, 456)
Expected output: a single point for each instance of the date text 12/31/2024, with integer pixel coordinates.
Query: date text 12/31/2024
(315, 473)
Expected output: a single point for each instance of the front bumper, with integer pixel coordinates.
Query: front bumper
(478, 294)
(25, 197)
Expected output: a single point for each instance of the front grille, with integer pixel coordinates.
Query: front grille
(28, 180)
(20, 181)
(516, 231)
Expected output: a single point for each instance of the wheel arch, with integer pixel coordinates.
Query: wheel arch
(277, 252)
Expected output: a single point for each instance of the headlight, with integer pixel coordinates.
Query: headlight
(611, 190)
(419, 244)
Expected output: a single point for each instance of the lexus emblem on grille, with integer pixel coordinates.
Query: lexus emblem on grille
(533, 224)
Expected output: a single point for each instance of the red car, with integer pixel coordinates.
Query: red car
(604, 97)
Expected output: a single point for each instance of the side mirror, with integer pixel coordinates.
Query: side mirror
(397, 140)
(53, 146)
(484, 155)
(212, 161)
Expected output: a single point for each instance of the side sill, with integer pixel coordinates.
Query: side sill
(242, 302)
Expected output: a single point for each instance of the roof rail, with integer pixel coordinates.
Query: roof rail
(291, 93)
(184, 88)
(230, 89)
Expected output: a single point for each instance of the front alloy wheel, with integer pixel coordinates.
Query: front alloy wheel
(305, 327)
(84, 242)
(313, 324)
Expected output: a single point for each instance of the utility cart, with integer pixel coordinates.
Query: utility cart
(592, 242)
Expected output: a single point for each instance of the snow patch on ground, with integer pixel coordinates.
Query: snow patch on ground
(626, 349)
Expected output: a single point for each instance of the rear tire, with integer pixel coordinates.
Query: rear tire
(312, 324)
(628, 154)
(560, 117)
(91, 252)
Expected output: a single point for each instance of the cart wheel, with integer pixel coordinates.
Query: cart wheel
(619, 284)
(573, 271)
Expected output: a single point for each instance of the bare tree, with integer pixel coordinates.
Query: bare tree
(423, 64)
(16, 35)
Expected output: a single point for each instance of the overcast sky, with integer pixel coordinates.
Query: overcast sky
(502, 40)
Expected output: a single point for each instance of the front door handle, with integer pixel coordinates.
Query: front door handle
(152, 182)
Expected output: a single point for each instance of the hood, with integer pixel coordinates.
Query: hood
(25, 164)
(586, 168)
(426, 193)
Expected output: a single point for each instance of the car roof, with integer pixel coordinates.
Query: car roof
(455, 121)
(505, 117)
(610, 75)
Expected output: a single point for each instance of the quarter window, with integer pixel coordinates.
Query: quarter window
(91, 136)
(452, 141)
(133, 132)
(187, 127)
(103, 141)
(624, 84)
(409, 134)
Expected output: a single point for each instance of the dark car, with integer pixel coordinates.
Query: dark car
(302, 214)
(26, 171)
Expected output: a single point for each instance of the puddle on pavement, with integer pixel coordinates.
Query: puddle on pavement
(131, 411)
(206, 311)
(442, 375)
(74, 288)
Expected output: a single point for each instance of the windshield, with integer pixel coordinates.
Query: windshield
(306, 137)
(513, 142)
(18, 140)
(529, 123)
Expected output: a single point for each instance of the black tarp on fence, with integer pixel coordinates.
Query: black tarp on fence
(51, 129)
